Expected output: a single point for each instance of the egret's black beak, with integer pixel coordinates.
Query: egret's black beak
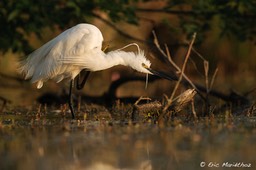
(160, 74)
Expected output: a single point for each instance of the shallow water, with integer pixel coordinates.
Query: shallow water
(29, 142)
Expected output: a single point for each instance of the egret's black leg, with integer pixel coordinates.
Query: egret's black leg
(79, 85)
(70, 100)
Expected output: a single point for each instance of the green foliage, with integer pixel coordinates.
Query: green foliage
(18, 19)
(236, 17)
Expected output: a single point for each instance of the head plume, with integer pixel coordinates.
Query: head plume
(136, 60)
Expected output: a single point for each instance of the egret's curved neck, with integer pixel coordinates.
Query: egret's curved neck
(119, 57)
(113, 58)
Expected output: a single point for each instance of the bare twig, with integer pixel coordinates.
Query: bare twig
(198, 54)
(168, 56)
(201, 89)
(140, 99)
(206, 67)
(183, 66)
(182, 100)
(181, 71)
(178, 103)
(193, 108)
(206, 76)
(206, 72)
(79, 103)
(213, 78)
(156, 42)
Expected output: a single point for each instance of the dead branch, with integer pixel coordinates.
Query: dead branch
(213, 78)
(232, 97)
(182, 70)
(140, 99)
(183, 66)
(199, 88)
(193, 108)
(168, 56)
(182, 100)
(155, 109)
(109, 23)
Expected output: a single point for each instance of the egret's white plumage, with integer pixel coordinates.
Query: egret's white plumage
(73, 50)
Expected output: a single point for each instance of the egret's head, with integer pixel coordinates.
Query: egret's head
(135, 60)
(140, 63)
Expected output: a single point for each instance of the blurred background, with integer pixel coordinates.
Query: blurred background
(226, 37)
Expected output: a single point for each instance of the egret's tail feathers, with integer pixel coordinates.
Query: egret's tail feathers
(28, 70)
(23, 69)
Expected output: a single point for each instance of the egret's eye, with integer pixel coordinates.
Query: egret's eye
(144, 65)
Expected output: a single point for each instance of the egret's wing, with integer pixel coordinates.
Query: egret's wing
(44, 63)
(84, 52)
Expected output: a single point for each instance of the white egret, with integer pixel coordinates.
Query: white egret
(76, 49)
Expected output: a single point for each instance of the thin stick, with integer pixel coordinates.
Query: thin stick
(79, 103)
(168, 56)
(206, 71)
(156, 42)
(178, 69)
(186, 58)
(193, 108)
(213, 78)
(170, 59)
(182, 70)
(215, 72)
(207, 86)
(140, 99)
(198, 54)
